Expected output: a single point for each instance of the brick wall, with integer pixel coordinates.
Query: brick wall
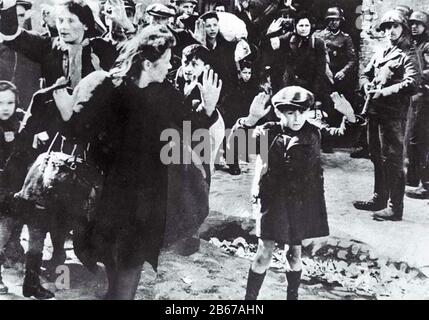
(372, 11)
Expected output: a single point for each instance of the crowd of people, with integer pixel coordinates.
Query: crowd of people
(85, 103)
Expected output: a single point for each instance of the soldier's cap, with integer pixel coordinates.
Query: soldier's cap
(159, 10)
(334, 13)
(184, 1)
(419, 16)
(27, 4)
(393, 16)
(293, 98)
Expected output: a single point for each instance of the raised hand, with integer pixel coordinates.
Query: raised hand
(115, 10)
(199, 33)
(257, 108)
(210, 90)
(275, 26)
(343, 106)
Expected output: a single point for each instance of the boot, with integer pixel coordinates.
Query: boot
(254, 283)
(32, 286)
(418, 193)
(388, 214)
(293, 282)
(374, 204)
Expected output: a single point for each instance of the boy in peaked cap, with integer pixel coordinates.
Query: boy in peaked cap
(288, 181)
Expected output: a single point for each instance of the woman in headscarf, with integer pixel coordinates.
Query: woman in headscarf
(300, 58)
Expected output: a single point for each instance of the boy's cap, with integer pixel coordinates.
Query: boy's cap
(27, 4)
(293, 97)
(185, 1)
(159, 10)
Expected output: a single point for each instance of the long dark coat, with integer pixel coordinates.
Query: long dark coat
(291, 189)
(301, 62)
(130, 224)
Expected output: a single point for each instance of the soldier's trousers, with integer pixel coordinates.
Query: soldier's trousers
(418, 144)
(386, 148)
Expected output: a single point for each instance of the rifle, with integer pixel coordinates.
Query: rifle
(368, 99)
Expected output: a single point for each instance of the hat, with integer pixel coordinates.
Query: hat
(334, 13)
(159, 10)
(184, 1)
(27, 4)
(293, 97)
(405, 10)
(419, 16)
(393, 16)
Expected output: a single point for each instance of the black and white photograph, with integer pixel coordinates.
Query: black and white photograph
(214, 150)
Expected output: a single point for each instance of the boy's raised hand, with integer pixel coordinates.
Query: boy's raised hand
(210, 90)
(257, 108)
(342, 105)
(199, 33)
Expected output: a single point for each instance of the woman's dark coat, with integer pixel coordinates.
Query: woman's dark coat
(127, 121)
(301, 62)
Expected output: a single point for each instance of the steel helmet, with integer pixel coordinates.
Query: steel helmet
(405, 10)
(393, 16)
(334, 13)
(419, 16)
(293, 97)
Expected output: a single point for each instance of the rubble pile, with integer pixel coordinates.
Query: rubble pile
(350, 270)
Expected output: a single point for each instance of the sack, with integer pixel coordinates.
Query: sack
(57, 176)
(231, 27)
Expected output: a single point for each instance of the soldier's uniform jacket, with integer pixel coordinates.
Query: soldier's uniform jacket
(340, 49)
(394, 72)
(418, 47)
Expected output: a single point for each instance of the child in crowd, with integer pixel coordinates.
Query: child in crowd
(289, 180)
(9, 125)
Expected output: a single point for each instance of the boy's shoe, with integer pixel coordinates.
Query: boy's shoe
(418, 193)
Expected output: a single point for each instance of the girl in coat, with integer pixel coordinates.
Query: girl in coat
(9, 124)
(289, 180)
